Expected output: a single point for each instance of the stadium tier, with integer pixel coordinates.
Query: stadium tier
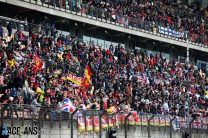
(46, 67)
(47, 71)
(162, 27)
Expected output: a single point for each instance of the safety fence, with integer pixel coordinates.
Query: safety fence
(119, 19)
(99, 121)
(44, 29)
(89, 122)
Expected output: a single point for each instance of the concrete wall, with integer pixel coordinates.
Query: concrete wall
(62, 130)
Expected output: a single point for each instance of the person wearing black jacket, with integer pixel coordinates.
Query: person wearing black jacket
(9, 29)
(112, 133)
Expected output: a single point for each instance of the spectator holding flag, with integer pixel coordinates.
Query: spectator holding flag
(38, 63)
(67, 106)
(97, 78)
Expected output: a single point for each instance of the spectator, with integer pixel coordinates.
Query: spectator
(9, 29)
(125, 79)
(34, 106)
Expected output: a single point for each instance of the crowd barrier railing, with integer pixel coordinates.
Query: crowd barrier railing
(97, 121)
(119, 19)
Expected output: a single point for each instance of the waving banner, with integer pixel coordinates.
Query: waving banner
(81, 81)
(91, 123)
(73, 78)
(170, 32)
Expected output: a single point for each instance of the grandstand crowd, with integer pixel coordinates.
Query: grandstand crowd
(177, 15)
(130, 80)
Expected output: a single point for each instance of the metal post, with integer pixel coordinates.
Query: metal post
(2, 119)
(12, 115)
(81, 8)
(187, 51)
(189, 129)
(171, 121)
(66, 5)
(141, 122)
(96, 12)
(126, 124)
(93, 125)
(100, 124)
(187, 84)
(76, 8)
(23, 117)
(188, 114)
(2, 116)
(72, 122)
(54, 4)
(60, 118)
(51, 121)
(68, 119)
(148, 127)
(207, 127)
(39, 126)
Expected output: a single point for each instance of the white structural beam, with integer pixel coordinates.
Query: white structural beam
(99, 23)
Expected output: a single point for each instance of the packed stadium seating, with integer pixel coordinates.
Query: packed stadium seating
(69, 77)
(170, 17)
(34, 68)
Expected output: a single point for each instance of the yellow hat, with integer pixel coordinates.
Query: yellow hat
(38, 90)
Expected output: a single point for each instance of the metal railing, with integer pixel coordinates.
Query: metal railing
(99, 121)
(40, 29)
(118, 19)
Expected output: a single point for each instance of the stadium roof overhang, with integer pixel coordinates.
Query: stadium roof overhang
(108, 25)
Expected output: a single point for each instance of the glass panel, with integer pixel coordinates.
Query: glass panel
(101, 42)
(86, 39)
(107, 44)
(94, 40)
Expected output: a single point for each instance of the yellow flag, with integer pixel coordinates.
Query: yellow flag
(11, 63)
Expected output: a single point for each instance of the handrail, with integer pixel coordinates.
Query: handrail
(148, 120)
(197, 40)
(44, 28)
(25, 106)
(95, 15)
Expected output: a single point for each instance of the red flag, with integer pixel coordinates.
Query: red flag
(38, 63)
(88, 72)
(86, 83)
(86, 80)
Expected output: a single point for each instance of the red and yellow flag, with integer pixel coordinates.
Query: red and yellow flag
(88, 73)
(38, 63)
(73, 78)
(86, 80)
(86, 83)
(81, 81)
